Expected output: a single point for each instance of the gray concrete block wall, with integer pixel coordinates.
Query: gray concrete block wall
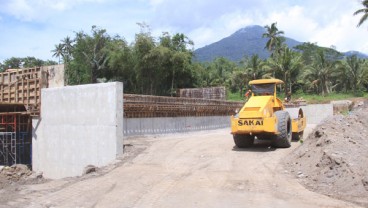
(140, 126)
(162, 125)
(315, 113)
(79, 126)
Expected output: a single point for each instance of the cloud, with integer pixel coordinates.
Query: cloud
(33, 27)
(36, 10)
(328, 25)
(187, 15)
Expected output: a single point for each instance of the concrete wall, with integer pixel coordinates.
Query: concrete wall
(316, 113)
(55, 75)
(79, 126)
(140, 126)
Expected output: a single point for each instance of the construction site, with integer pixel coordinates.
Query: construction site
(94, 146)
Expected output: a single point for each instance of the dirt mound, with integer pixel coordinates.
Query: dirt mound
(18, 174)
(333, 160)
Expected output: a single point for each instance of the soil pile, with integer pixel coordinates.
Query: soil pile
(333, 160)
(17, 174)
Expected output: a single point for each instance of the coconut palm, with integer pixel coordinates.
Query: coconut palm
(275, 39)
(285, 65)
(58, 51)
(67, 44)
(254, 67)
(357, 72)
(364, 11)
(321, 72)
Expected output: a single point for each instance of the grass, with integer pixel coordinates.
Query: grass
(234, 96)
(313, 99)
(310, 98)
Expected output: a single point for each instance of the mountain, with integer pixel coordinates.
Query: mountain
(357, 53)
(246, 42)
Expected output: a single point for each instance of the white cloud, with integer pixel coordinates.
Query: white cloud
(39, 24)
(29, 10)
(203, 36)
(326, 24)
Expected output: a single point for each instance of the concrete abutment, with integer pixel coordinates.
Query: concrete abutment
(79, 126)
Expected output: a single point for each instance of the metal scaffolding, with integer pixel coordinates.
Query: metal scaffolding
(15, 139)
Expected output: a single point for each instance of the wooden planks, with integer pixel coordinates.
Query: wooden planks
(23, 86)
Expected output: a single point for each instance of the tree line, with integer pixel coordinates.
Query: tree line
(161, 65)
(24, 62)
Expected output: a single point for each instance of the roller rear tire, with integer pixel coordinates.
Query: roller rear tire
(283, 139)
(243, 141)
(297, 136)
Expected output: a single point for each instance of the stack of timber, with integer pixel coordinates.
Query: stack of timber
(23, 86)
(215, 93)
(145, 106)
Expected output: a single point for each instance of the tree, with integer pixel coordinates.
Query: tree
(144, 67)
(2, 67)
(13, 63)
(254, 66)
(275, 39)
(355, 72)
(85, 56)
(239, 80)
(29, 62)
(179, 66)
(58, 51)
(121, 64)
(285, 65)
(364, 12)
(321, 72)
(221, 69)
(67, 47)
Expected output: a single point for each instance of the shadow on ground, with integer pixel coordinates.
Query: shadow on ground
(258, 146)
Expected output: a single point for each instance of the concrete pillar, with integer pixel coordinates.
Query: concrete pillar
(79, 126)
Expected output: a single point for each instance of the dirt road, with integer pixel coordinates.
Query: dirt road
(201, 169)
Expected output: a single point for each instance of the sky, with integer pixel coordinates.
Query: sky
(34, 27)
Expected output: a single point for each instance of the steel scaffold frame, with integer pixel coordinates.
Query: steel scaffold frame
(15, 140)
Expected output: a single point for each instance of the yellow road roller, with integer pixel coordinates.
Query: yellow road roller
(264, 117)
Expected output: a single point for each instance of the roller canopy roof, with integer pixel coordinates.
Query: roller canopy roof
(266, 81)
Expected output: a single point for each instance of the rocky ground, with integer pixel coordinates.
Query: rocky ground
(18, 174)
(15, 179)
(333, 160)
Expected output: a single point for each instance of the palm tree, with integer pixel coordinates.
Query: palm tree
(58, 51)
(364, 11)
(356, 71)
(285, 65)
(67, 48)
(239, 80)
(321, 72)
(254, 66)
(275, 39)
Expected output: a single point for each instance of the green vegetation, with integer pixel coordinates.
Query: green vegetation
(310, 98)
(161, 65)
(364, 12)
(313, 98)
(26, 62)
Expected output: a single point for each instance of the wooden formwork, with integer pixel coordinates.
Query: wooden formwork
(23, 86)
(143, 106)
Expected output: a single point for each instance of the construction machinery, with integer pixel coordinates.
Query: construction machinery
(264, 117)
